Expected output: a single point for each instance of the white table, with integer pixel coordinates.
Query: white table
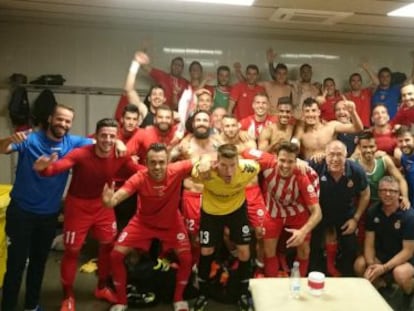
(340, 294)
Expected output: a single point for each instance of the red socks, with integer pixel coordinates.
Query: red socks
(119, 275)
(271, 266)
(331, 249)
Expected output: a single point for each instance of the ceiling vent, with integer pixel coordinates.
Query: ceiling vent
(283, 15)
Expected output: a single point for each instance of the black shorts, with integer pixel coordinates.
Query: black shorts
(212, 227)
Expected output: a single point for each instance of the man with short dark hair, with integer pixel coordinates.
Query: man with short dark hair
(173, 83)
(360, 95)
(242, 94)
(292, 204)
(92, 166)
(281, 130)
(159, 189)
(156, 95)
(221, 92)
(389, 242)
(405, 138)
(224, 204)
(31, 216)
(386, 94)
(256, 123)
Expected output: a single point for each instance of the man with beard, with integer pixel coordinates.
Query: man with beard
(221, 91)
(156, 96)
(405, 115)
(315, 135)
(281, 130)
(31, 216)
(261, 119)
(405, 138)
(92, 166)
(377, 167)
(163, 131)
(193, 146)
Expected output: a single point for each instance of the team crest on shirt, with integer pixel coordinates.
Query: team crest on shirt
(180, 236)
(160, 190)
(260, 212)
(376, 220)
(397, 225)
(310, 189)
(256, 153)
(245, 229)
(350, 184)
(323, 178)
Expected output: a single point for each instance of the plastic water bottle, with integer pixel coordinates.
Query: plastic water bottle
(295, 281)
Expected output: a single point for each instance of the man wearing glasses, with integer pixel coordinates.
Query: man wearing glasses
(389, 242)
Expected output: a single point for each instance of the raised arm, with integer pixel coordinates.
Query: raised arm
(140, 59)
(372, 76)
(356, 125)
(238, 72)
(271, 56)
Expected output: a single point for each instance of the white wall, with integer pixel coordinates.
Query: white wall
(89, 56)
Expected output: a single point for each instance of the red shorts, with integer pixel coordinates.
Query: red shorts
(256, 207)
(191, 207)
(274, 226)
(82, 215)
(138, 234)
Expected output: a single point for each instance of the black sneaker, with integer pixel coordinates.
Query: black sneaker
(200, 303)
(245, 303)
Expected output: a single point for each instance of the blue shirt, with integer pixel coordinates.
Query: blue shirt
(390, 231)
(337, 197)
(349, 141)
(407, 163)
(390, 97)
(32, 192)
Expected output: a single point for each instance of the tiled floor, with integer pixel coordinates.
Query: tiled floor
(84, 286)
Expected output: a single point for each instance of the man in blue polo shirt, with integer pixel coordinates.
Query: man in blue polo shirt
(386, 94)
(405, 136)
(389, 241)
(35, 203)
(344, 196)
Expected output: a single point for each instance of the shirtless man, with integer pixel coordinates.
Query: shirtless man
(316, 135)
(304, 88)
(198, 143)
(280, 131)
